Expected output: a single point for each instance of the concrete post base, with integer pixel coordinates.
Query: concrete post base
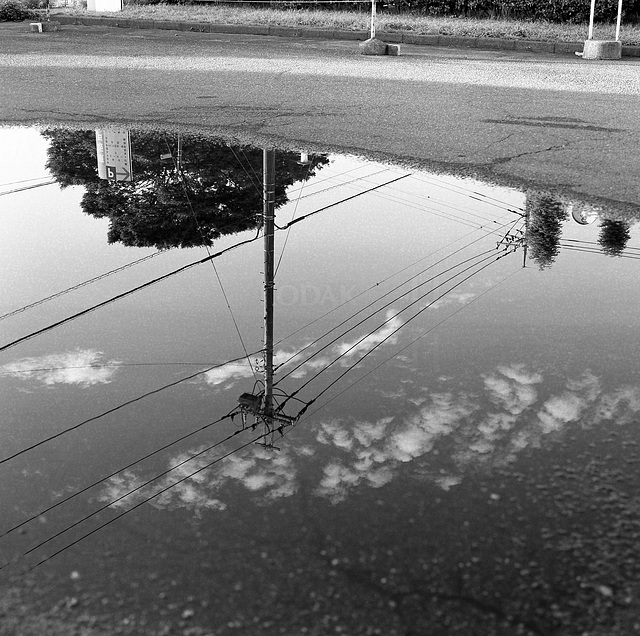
(602, 50)
(44, 27)
(373, 46)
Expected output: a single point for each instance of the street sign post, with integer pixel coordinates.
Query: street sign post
(113, 149)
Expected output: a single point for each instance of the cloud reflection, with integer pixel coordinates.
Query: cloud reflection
(348, 350)
(267, 475)
(82, 367)
(444, 437)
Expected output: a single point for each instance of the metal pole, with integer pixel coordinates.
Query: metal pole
(373, 18)
(269, 195)
(179, 154)
(619, 20)
(591, 16)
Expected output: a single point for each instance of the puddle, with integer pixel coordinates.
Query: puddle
(459, 356)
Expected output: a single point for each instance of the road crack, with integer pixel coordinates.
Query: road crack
(502, 160)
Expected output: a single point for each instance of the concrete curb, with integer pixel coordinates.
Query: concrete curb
(491, 44)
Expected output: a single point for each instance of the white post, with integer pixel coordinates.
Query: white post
(373, 18)
(591, 16)
(619, 20)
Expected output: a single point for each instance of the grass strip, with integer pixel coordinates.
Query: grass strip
(389, 22)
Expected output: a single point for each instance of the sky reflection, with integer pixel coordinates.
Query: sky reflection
(441, 461)
(509, 409)
(82, 367)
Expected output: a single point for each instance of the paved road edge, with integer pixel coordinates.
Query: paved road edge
(495, 44)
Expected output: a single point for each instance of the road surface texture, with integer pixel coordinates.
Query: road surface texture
(554, 121)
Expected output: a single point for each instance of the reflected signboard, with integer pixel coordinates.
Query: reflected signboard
(113, 149)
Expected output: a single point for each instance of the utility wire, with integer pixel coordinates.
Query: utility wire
(29, 187)
(384, 306)
(391, 302)
(179, 270)
(340, 184)
(432, 181)
(115, 365)
(255, 174)
(129, 493)
(353, 196)
(354, 345)
(180, 173)
(46, 176)
(113, 474)
(123, 295)
(293, 216)
(471, 194)
(82, 284)
(122, 514)
(114, 409)
(97, 278)
(253, 183)
(304, 409)
(409, 203)
(587, 250)
(384, 280)
(595, 243)
(466, 191)
(331, 177)
(422, 335)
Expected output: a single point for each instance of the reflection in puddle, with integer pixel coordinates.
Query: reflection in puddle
(462, 454)
(185, 191)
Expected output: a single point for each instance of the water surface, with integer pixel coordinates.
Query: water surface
(466, 457)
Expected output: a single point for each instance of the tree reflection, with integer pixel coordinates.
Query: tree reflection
(216, 191)
(545, 214)
(614, 236)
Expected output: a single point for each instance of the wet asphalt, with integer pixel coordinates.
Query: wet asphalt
(553, 121)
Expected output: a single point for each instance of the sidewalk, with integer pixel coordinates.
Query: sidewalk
(495, 44)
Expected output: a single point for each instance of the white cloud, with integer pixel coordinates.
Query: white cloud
(559, 410)
(333, 432)
(82, 367)
(336, 481)
(367, 432)
(437, 419)
(570, 406)
(511, 388)
(518, 373)
(269, 475)
(229, 372)
(342, 353)
(453, 424)
(619, 406)
(379, 478)
(494, 424)
(233, 371)
(453, 298)
(365, 344)
(447, 481)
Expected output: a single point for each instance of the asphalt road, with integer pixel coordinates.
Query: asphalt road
(554, 121)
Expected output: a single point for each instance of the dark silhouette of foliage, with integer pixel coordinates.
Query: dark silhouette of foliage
(15, 11)
(546, 214)
(552, 10)
(614, 236)
(217, 191)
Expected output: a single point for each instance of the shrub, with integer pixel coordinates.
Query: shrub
(15, 11)
(550, 10)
